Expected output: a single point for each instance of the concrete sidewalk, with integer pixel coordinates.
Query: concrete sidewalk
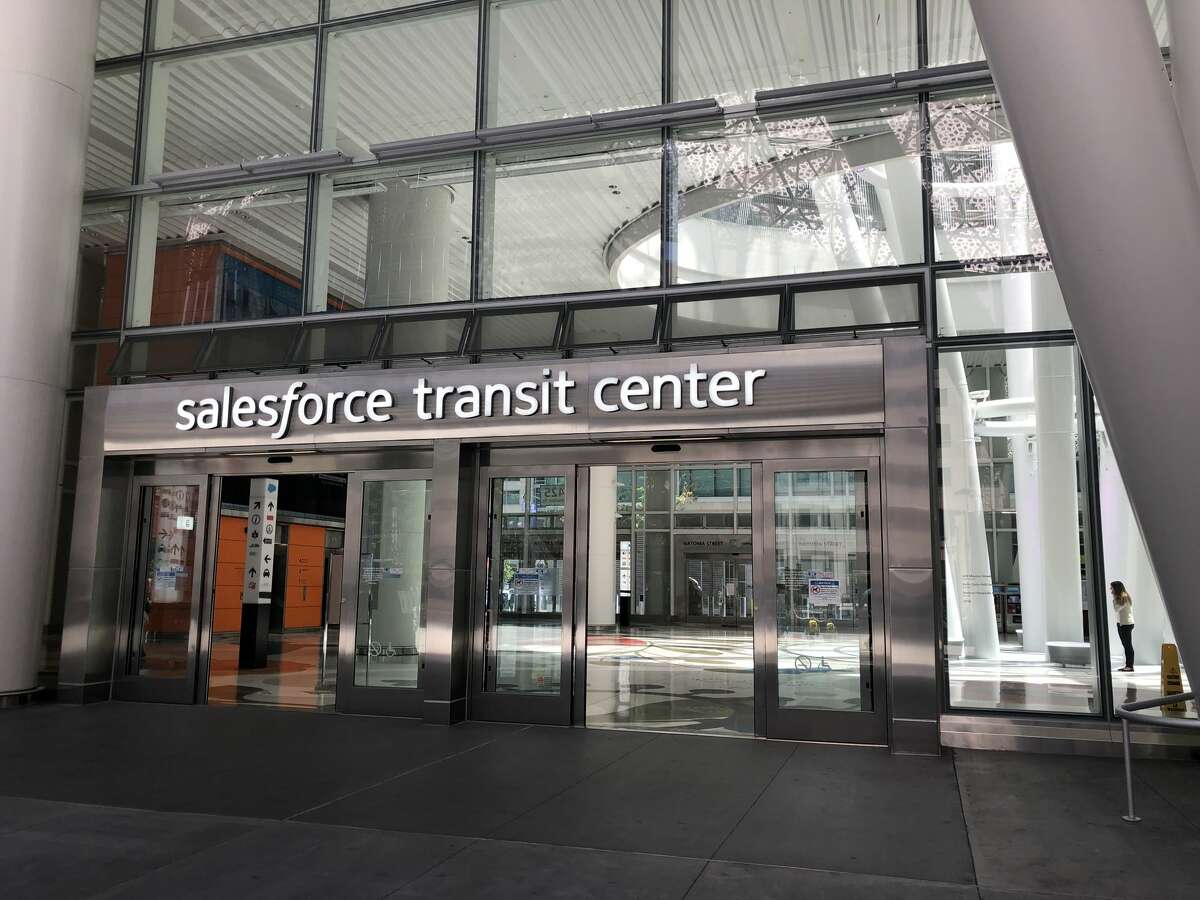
(141, 800)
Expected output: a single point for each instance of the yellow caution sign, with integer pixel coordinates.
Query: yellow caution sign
(814, 627)
(830, 628)
(1172, 679)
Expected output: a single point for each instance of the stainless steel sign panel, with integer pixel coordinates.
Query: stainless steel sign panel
(671, 393)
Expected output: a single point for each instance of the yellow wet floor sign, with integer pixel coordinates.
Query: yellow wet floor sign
(1172, 679)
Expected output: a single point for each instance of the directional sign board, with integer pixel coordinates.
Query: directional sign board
(261, 528)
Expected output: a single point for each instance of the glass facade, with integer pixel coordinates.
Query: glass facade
(183, 22)
(395, 237)
(120, 28)
(251, 101)
(730, 49)
(529, 194)
(100, 278)
(1012, 302)
(555, 59)
(840, 189)
(1019, 611)
(982, 209)
(540, 168)
(230, 92)
(432, 57)
(221, 255)
(109, 161)
(1126, 560)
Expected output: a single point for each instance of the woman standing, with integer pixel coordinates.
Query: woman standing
(1123, 605)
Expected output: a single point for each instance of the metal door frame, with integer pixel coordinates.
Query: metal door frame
(184, 689)
(546, 709)
(829, 726)
(352, 698)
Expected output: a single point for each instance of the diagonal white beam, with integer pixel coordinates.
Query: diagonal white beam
(1104, 155)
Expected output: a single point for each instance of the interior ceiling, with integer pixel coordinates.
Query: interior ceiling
(415, 77)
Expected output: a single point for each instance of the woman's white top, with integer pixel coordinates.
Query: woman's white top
(1124, 611)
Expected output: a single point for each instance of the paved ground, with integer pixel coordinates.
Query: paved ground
(124, 800)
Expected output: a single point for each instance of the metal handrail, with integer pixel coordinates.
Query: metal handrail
(1130, 712)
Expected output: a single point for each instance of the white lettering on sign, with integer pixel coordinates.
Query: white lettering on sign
(552, 395)
(355, 407)
(667, 391)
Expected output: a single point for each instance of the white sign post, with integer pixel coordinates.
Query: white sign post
(260, 540)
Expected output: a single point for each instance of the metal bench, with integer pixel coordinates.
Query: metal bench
(1069, 653)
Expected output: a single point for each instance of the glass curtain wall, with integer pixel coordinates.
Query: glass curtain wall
(729, 49)
(251, 101)
(120, 28)
(554, 59)
(394, 237)
(220, 255)
(111, 129)
(1127, 560)
(671, 599)
(840, 189)
(1020, 621)
(953, 38)
(1029, 612)
(429, 88)
(550, 214)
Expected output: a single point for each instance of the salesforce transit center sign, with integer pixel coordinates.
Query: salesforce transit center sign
(555, 393)
(665, 394)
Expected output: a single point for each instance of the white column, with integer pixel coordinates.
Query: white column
(966, 540)
(408, 244)
(1016, 292)
(1058, 498)
(602, 546)
(1184, 19)
(46, 51)
(1129, 291)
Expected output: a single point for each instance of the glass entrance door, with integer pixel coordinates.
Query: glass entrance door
(382, 594)
(525, 615)
(161, 624)
(823, 640)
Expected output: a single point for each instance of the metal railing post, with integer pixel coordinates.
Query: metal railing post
(1129, 816)
(1132, 712)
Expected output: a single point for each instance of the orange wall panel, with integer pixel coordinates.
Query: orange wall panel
(305, 576)
(231, 561)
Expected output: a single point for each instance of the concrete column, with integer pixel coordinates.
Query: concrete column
(1058, 498)
(1120, 209)
(1025, 480)
(1184, 19)
(408, 244)
(46, 51)
(602, 546)
(967, 558)
(971, 612)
